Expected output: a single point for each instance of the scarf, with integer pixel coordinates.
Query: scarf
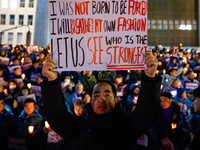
(166, 113)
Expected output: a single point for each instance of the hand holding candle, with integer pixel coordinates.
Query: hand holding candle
(30, 129)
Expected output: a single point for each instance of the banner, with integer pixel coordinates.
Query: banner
(17, 143)
(5, 46)
(20, 82)
(12, 67)
(190, 85)
(34, 77)
(32, 49)
(53, 137)
(35, 90)
(27, 65)
(4, 60)
(98, 35)
(23, 98)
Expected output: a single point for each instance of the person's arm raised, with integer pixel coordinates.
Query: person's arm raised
(48, 67)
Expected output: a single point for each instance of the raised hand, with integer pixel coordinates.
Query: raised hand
(48, 67)
(152, 64)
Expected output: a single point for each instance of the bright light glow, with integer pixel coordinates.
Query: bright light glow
(29, 85)
(46, 124)
(4, 3)
(30, 129)
(185, 27)
(13, 3)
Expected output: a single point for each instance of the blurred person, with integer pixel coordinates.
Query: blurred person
(79, 108)
(68, 86)
(77, 94)
(86, 97)
(13, 88)
(88, 80)
(33, 69)
(7, 124)
(107, 75)
(171, 127)
(31, 117)
(17, 74)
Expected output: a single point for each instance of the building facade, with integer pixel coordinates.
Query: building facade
(17, 17)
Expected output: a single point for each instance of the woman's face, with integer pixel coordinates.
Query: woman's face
(24, 92)
(87, 98)
(136, 90)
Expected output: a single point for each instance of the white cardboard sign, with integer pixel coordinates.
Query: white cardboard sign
(98, 35)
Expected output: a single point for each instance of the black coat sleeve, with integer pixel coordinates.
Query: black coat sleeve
(56, 113)
(141, 119)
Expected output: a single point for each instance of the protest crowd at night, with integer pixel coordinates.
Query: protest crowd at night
(21, 74)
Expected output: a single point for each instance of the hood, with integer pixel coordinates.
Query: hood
(171, 79)
(180, 92)
(172, 58)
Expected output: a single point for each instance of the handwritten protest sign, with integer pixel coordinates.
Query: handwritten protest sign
(190, 85)
(103, 35)
(32, 49)
(4, 60)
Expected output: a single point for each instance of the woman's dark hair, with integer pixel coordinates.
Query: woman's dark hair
(85, 95)
(25, 87)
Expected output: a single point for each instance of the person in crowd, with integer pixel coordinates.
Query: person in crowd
(13, 88)
(173, 62)
(31, 117)
(79, 108)
(86, 98)
(106, 125)
(33, 69)
(132, 97)
(68, 86)
(172, 84)
(195, 124)
(171, 127)
(7, 124)
(17, 74)
(16, 107)
(107, 75)
(135, 76)
(88, 80)
(186, 105)
(74, 96)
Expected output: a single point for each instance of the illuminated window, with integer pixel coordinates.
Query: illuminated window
(21, 19)
(31, 3)
(3, 19)
(4, 3)
(12, 19)
(13, 3)
(22, 3)
(19, 38)
(10, 38)
(30, 19)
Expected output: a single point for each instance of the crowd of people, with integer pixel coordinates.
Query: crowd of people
(23, 122)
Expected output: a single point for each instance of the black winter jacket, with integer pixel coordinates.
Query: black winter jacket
(114, 131)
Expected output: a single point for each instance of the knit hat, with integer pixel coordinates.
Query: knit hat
(196, 92)
(180, 92)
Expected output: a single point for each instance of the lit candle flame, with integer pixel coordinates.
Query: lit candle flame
(161, 87)
(5, 91)
(30, 129)
(129, 71)
(157, 71)
(174, 125)
(23, 76)
(29, 85)
(195, 75)
(164, 71)
(46, 124)
(22, 61)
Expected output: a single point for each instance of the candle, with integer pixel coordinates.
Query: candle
(129, 71)
(160, 55)
(5, 91)
(30, 129)
(195, 75)
(161, 87)
(157, 71)
(46, 124)
(173, 125)
(22, 60)
(29, 85)
(164, 71)
(23, 76)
